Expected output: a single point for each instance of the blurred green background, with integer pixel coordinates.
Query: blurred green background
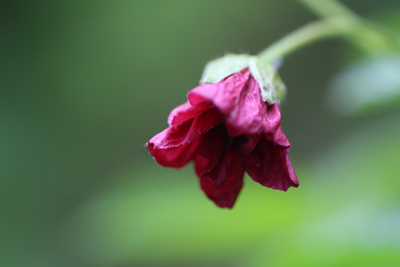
(85, 84)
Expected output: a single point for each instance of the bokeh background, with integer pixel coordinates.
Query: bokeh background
(85, 84)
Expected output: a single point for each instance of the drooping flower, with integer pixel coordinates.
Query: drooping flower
(227, 128)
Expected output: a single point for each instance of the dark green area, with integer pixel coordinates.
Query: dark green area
(85, 84)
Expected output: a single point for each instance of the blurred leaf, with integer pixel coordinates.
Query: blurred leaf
(372, 84)
(352, 206)
(165, 218)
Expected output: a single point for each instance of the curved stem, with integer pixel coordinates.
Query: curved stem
(303, 36)
(329, 9)
(366, 35)
(361, 33)
(338, 21)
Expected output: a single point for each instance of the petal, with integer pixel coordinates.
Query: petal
(278, 137)
(179, 144)
(186, 112)
(270, 166)
(176, 157)
(247, 116)
(219, 172)
(185, 132)
(223, 95)
(224, 194)
(212, 149)
(201, 166)
(251, 115)
(272, 117)
(250, 143)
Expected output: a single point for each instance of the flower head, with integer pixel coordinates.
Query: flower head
(226, 128)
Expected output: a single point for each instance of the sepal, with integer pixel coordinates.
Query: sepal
(218, 69)
(272, 87)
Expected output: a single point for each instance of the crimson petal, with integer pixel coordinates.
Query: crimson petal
(212, 149)
(187, 131)
(247, 116)
(224, 193)
(270, 166)
(182, 138)
(176, 157)
(278, 137)
(250, 143)
(186, 112)
(223, 95)
(251, 115)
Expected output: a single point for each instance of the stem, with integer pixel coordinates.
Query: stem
(367, 36)
(303, 36)
(362, 34)
(338, 21)
(329, 9)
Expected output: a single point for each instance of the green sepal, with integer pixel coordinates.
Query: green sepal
(272, 87)
(219, 69)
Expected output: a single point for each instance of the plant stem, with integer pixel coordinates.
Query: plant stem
(362, 34)
(367, 36)
(329, 9)
(303, 36)
(338, 21)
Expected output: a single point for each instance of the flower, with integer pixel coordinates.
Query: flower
(227, 129)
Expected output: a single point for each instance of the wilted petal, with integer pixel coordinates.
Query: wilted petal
(212, 149)
(186, 112)
(272, 118)
(223, 95)
(219, 172)
(247, 116)
(178, 144)
(251, 115)
(250, 143)
(201, 166)
(278, 137)
(270, 166)
(176, 157)
(187, 131)
(224, 193)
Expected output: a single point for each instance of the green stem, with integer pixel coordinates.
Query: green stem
(361, 33)
(329, 9)
(367, 36)
(303, 36)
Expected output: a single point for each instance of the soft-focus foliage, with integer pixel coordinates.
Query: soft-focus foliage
(340, 217)
(373, 84)
(83, 86)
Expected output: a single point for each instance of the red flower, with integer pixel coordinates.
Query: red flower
(227, 129)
